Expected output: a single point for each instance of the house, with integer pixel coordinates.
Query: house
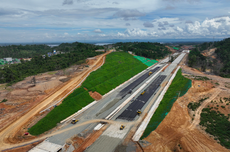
(49, 54)
(9, 59)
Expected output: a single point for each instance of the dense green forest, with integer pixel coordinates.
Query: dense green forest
(219, 65)
(223, 54)
(28, 51)
(17, 72)
(149, 50)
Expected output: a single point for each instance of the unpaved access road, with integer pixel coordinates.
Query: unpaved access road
(8, 133)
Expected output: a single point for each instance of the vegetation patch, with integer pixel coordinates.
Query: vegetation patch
(195, 105)
(71, 104)
(216, 124)
(179, 86)
(16, 72)
(118, 67)
(4, 100)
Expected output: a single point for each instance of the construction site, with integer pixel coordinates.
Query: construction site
(118, 119)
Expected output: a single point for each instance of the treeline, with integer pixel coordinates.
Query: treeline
(223, 54)
(20, 51)
(145, 49)
(219, 65)
(17, 72)
(30, 51)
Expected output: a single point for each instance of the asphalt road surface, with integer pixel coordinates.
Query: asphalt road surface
(131, 111)
(137, 82)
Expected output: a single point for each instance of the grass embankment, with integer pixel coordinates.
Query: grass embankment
(216, 124)
(179, 84)
(118, 67)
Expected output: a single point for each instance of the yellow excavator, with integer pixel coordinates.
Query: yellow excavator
(122, 127)
(74, 121)
(150, 73)
(139, 112)
(143, 92)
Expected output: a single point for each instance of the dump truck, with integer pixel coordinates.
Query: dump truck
(150, 73)
(74, 121)
(122, 127)
(139, 112)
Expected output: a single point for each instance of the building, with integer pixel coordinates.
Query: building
(9, 59)
(49, 54)
(54, 52)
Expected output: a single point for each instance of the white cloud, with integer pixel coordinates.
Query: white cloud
(97, 31)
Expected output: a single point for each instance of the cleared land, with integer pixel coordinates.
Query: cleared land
(8, 134)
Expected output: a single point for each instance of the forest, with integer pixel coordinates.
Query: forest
(29, 51)
(220, 64)
(16, 72)
(149, 50)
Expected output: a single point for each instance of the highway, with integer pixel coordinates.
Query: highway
(137, 104)
(137, 82)
(113, 136)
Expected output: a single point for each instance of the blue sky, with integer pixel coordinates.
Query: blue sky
(77, 20)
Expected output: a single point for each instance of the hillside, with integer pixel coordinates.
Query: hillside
(212, 58)
(145, 49)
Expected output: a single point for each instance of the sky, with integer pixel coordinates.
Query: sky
(93, 20)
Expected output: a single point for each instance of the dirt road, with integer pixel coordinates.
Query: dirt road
(196, 120)
(8, 133)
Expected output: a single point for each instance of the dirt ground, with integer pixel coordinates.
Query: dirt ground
(95, 95)
(180, 130)
(19, 118)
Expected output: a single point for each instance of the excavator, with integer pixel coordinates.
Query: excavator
(139, 112)
(74, 121)
(150, 73)
(122, 127)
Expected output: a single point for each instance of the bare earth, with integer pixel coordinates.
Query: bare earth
(13, 132)
(180, 130)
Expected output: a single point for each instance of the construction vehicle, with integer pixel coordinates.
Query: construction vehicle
(150, 73)
(74, 121)
(143, 92)
(122, 127)
(139, 112)
(130, 91)
(103, 122)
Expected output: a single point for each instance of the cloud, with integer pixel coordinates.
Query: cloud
(67, 2)
(148, 24)
(165, 22)
(188, 22)
(128, 14)
(171, 25)
(127, 24)
(178, 1)
(116, 3)
(97, 31)
(160, 24)
(163, 28)
(169, 7)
